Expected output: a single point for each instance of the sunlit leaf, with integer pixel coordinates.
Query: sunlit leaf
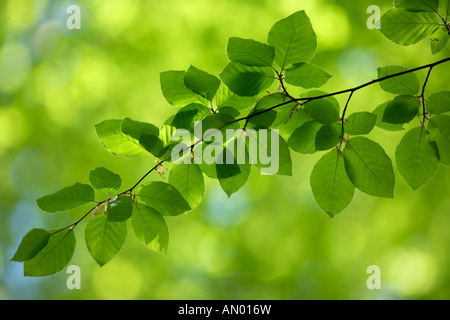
(150, 228)
(188, 180)
(379, 112)
(328, 136)
(306, 75)
(294, 40)
(406, 84)
(407, 28)
(247, 81)
(163, 197)
(278, 110)
(119, 208)
(104, 238)
(401, 110)
(418, 5)
(175, 91)
(227, 98)
(119, 143)
(232, 176)
(439, 40)
(54, 256)
(250, 52)
(135, 129)
(439, 128)
(319, 93)
(104, 179)
(303, 139)
(186, 116)
(201, 82)
(369, 168)
(33, 242)
(322, 111)
(360, 123)
(269, 152)
(331, 187)
(438, 102)
(416, 158)
(67, 198)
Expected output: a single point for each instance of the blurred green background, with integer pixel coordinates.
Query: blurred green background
(270, 240)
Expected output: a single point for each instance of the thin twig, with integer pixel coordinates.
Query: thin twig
(422, 96)
(291, 100)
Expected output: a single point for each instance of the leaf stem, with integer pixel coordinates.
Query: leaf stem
(344, 111)
(422, 96)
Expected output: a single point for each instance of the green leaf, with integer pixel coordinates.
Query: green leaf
(250, 52)
(322, 110)
(67, 198)
(328, 136)
(119, 208)
(320, 93)
(330, 184)
(439, 102)
(360, 123)
(219, 121)
(401, 110)
(54, 256)
(284, 159)
(444, 6)
(439, 129)
(152, 144)
(283, 109)
(166, 133)
(271, 118)
(439, 40)
(232, 176)
(303, 139)
(33, 242)
(104, 238)
(150, 228)
(231, 111)
(175, 91)
(135, 129)
(276, 156)
(294, 40)
(406, 84)
(188, 180)
(104, 179)
(416, 158)
(119, 143)
(207, 168)
(261, 118)
(295, 120)
(407, 28)
(379, 112)
(247, 81)
(418, 5)
(306, 75)
(369, 168)
(201, 82)
(186, 116)
(226, 98)
(163, 197)
(165, 136)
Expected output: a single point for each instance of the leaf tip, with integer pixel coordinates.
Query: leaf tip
(330, 214)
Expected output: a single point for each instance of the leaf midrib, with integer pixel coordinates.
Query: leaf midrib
(365, 164)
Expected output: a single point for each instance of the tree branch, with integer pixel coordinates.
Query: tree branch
(422, 96)
(291, 100)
